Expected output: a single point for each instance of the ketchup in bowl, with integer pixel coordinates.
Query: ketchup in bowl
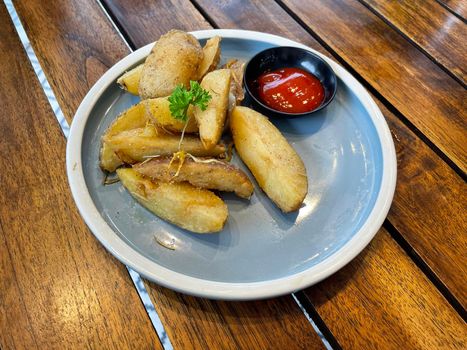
(290, 90)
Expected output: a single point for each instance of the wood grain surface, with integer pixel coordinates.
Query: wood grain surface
(426, 95)
(261, 320)
(431, 27)
(458, 7)
(196, 323)
(429, 209)
(140, 18)
(429, 194)
(382, 301)
(72, 59)
(58, 288)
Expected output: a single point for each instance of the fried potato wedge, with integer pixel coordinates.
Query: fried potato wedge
(279, 170)
(194, 209)
(159, 111)
(206, 173)
(211, 56)
(211, 121)
(173, 60)
(130, 80)
(134, 117)
(137, 145)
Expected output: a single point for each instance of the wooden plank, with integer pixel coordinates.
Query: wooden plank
(431, 27)
(382, 301)
(269, 324)
(426, 95)
(458, 7)
(429, 193)
(137, 18)
(429, 208)
(252, 323)
(72, 60)
(58, 286)
(19, 332)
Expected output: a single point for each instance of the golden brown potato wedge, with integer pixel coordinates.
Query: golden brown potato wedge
(276, 166)
(134, 117)
(140, 144)
(211, 56)
(159, 111)
(130, 80)
(204, 173)
(194, 209)
(211, 121)
(174, 60)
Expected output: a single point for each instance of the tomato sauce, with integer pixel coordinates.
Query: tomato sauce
(291, 90)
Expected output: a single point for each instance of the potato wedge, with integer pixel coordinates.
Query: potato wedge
(211, 121)
(134, 117)
(211, 56)
(174, 60)
(210, 174)
(279, 170)
(130, 80)
(188, 207)
(158, 110)
(139, 144)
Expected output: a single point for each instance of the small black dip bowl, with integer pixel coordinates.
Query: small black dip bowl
(285, 57)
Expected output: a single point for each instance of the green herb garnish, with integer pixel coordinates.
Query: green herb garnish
(181, 99)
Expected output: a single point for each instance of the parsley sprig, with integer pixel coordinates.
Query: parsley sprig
(181, 99)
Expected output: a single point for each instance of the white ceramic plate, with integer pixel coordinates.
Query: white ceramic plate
(351, 165)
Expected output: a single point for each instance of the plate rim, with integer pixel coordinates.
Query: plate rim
(225, 290)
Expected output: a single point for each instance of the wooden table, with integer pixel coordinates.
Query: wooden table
(59, 288)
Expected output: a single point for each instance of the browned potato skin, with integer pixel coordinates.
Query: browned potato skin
(236, 85)
(134, 117)
(174, 60)
(211, 56)
(137, 145)
(159, 112)
(129, 81)
(211, 121)
(214, 175)
(194, 209)
(276, 166)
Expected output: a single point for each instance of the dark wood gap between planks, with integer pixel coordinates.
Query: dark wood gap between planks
(300, 296)
(319, 322)
(451, 10)
(423, 266)
(203, 13)
(378, 95)
(395, 234)
(413, 43)
(118, 26)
